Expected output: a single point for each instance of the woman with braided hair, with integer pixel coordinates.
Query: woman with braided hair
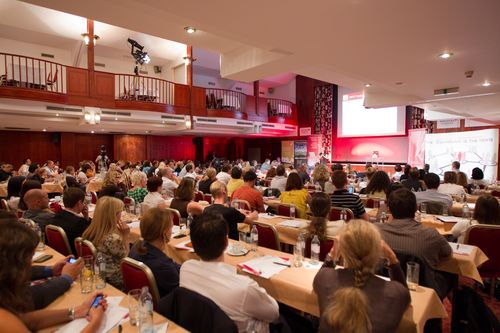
(353, 299)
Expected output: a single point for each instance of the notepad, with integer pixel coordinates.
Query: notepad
(113, 315)
(295, 223)
(265, 266)
(37, 255)
(461, 248)
(186, 245)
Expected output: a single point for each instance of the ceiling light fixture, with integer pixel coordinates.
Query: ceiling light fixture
(86, 38)
(92, 115)
(45, 130)
(367, 85)
(190, 30)
(187, 121)
(57, 114)
(486, 84)
(92, 132)
(137, 52)
(445, 55)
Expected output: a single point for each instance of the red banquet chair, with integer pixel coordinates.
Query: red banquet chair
(208, 198)
(57, 239)
(198, 196)
(176, 215)
(85, 247)
(284, 209)
(336, 211)
(268, 236)
(324, 247)
(94, 197)
(486, 236)
(137, 275)
(241, 204)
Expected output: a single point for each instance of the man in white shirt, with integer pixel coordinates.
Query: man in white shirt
(279, 181)
(170, 181)
(431, 194)
(189, 172)
(237, 295)
(224, 175)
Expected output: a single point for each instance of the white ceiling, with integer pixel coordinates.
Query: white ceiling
(350, 43)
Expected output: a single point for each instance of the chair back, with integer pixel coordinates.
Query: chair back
(129, 203)
(268, 235)
(495, 193)
(208, 198)
(94, 197)
(324, 247)
(198, 196)
(241, 204)
(335, 213)
(84, 248)
(435, 207)
(372, 203)
(57, 239)
(4, 205)
(267, 182)
(176, 215)
(271, 192)
(137, 275)
(284, 209)
(486, 237)
(194, 312)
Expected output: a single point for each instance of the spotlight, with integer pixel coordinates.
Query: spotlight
(137, 52)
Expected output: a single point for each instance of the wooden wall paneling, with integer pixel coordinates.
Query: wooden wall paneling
(175, 147)
(198, 100)
(77, 81)
(38, 146)
(104, 86)
(181, 95)
(130, 147)
(68, 148)
(87, 146)
(32, 94)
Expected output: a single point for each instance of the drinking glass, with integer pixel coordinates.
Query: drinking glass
(182, 225)
(297, 255)
(243, 240)
(412, 273)
(87, 275)
(423, 210)
(133, 306)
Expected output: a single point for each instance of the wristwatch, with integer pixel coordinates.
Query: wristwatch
(71, 313)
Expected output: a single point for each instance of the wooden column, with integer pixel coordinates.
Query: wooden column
(189, 80)
(256, 93)
(90, 56)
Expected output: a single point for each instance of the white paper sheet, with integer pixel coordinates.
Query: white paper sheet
(461, 248)
(112, 317)
(37, 255)
(266, 216)
(183, 246)
(134, 224)
(450, 219)
(264, 266)
(295, 223)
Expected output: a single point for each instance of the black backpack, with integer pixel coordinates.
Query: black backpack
(471, 315)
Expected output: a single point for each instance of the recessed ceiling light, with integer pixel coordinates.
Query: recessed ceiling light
(92, 132)
(367, 85)
(445, 55)
(116, 118)
(486, 84)
(190, 30)
(45, 130)
(399, 83)
(57, 114)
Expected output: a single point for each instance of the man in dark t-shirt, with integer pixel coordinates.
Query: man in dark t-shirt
(231, 215)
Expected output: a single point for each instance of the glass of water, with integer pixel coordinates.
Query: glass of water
(412, 274)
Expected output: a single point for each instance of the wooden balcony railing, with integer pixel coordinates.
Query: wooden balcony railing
(31, 73)
(222, 99)
(279, 108)
(146, 89)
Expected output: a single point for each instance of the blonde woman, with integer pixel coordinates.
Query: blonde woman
(110, 236)
(321, 175)
(207, 180)
(353, 299)
(114, 177)
(138, 190)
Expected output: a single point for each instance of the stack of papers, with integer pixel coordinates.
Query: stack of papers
(186, 245)
(265, 266)
(295, 223)
(37, 255)
(266, 216)
(461, 248)
(449, 219)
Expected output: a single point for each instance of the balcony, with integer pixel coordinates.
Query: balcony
(35, 79)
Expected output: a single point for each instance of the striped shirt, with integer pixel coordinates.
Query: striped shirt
(344, 199)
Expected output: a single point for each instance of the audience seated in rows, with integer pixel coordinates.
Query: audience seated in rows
(37, 202)
(156, 231)
(450, 186)
(183, 199)
(303, 174)
(239, 296)
(235, 182)
(207, 180)
(138, 191)
(14, 191)
(432, 183)
(224, 175)
(413, 182)
(170, 181)
(296, 194)
(279, 181)
(110, 236)
(154, 197)
(378, 186)
(342, 198)
(353, 299)
(320, 208)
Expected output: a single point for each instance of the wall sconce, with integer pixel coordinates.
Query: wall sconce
(187, 121)
(91, 115)
(188, 60)
(86, 38)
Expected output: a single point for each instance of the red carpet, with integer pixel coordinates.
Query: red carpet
(492, 303)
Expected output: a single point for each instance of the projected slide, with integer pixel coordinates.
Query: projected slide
(355, 120)
(472, 149)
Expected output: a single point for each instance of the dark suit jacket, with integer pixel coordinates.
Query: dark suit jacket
(73, 225)
(45, 293)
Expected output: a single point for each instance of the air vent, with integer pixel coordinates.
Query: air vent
(17, 128)
(281, 51)
(173, 117)
(116, 132)
(113, 113)
(211, 83)
(243, 123)
(446, 91)
(98, 64)
(206, 120)
(47, 55)
(143, 72)
(239, 88)
(290, 127)
(58, 108)
(268, 125)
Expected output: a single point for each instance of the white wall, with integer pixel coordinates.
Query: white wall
(179, 74)
(286, 92)
(201, 80)
(35, 50)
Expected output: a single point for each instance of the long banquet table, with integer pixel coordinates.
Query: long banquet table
(74, 297)
(47, 187)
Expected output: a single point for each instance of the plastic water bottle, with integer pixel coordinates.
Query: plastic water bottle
(343, 215)
(100, 271)
(41, 243)
(292, 212)
(383, 217)
(146, 324)
(315, 245)
(189, 220)
(255, 238)
(466, 211)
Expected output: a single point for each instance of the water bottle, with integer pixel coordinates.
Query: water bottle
(41, 243)
(463, 198)
(302, 242)
(315, 245)
(146, 324)
(383, 217)
(88, 198)
(466, 211)
(189, 220)
(255, 238)
(100, 271)
(343, 215)
(292, 212)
